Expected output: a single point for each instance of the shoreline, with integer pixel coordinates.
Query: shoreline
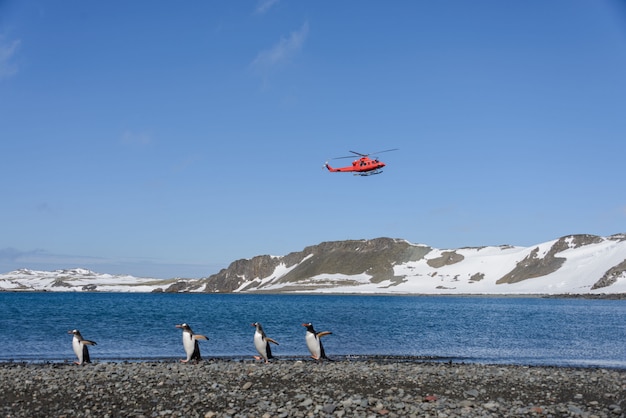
(285, 388)
(350, 358)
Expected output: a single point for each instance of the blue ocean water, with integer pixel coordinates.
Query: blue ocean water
(530, 331)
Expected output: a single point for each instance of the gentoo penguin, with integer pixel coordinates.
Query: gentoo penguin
(314, 343)
(190, 343)
(262, 343)
(79, 344)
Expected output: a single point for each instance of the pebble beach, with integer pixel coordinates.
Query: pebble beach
(370, 387)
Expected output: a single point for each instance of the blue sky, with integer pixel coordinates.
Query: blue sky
(169, 139)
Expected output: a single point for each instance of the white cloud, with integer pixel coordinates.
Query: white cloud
(7, 52)
(264, 5)
(185, 163)
(13, 254)
(136, 138)
(270, 59)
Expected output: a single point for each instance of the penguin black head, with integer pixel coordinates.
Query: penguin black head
(309, 327)
(184, 327)
(74, 331)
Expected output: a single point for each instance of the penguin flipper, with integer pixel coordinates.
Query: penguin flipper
(89, 342)
(200, 337)
(196, 352)
(268, 350)
(86, 358)
(271, 340)
(321, 334)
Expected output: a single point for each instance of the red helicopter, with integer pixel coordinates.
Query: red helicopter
(364, 166)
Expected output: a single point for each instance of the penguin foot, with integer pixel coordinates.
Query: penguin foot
(183, 361)
(257, 357)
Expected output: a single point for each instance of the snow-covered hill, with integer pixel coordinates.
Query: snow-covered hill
(79, 280)
(575, 264)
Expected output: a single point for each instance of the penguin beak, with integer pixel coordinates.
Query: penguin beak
(179, 326)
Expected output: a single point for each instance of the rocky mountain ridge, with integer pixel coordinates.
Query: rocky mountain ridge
(574, 264)
(386, 265)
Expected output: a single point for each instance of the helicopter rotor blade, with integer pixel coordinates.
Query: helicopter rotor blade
(358, 153)
(380, 152)
(364, 155)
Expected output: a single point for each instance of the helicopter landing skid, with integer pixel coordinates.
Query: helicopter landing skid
(368, 173)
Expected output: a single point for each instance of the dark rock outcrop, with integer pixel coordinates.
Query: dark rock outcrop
(447, 258)
(535, 265)
(374, 257)
(610, 276)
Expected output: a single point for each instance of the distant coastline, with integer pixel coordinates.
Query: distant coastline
(598, 296)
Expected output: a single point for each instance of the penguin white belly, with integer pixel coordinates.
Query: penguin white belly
(78, 349)
(260, 344)
(189, 344)
(313, 343)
